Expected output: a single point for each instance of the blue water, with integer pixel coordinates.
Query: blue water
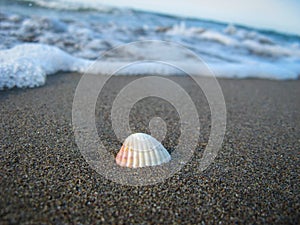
(85, 30)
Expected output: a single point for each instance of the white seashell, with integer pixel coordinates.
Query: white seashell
(141, 150)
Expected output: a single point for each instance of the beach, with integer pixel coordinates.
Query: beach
(253, 180)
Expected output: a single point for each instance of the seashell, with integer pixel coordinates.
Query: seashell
(141, 150)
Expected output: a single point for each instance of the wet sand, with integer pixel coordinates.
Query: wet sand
(254, 179)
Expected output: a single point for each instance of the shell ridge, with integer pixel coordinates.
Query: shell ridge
(140, 150)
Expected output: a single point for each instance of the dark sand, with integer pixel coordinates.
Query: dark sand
(254, 179)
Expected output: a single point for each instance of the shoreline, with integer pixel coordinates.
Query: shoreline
(45, 179)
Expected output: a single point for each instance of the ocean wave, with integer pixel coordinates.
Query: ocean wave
(231, 36)
(230, 51)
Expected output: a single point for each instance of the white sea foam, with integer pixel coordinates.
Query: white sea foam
(269, 50)
(27, 65)
(218, 37)
(181, 29)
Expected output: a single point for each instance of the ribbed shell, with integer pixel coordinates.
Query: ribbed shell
(141, 150)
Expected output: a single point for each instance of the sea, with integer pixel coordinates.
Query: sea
(39, 38)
